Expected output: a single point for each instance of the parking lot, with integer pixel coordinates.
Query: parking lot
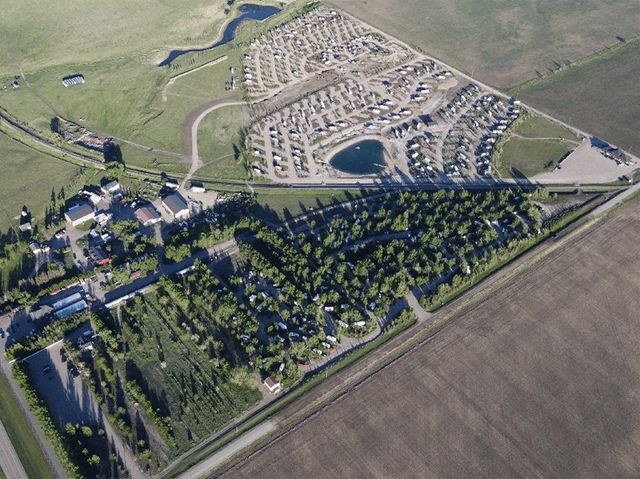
(67, 396)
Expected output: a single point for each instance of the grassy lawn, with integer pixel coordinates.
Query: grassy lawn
(532, 146)
(28, 177)
(123, 93)
(528, 157)
(209, 82)
(37, 37)
(148, 160)
(19, 430)
(539, 127)
(502, 42)
(218, 141)
(600, 96)
(279, 205)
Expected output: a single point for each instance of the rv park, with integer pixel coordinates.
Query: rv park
(273, 230)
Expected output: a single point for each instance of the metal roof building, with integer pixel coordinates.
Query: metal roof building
(176, 206)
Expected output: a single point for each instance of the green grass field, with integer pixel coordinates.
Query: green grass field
(125, 94)
(533, 145)
(35, 37)
(502, 42)
(539, 127)
(19, 431)
(525, 157)
(153, 161)
(28, 177)
(218, 141)
(600, 96)
(281, 204)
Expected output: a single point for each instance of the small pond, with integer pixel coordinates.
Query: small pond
(245, 12)
(363, 158)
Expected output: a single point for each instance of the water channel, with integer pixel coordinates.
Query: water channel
(245, 12)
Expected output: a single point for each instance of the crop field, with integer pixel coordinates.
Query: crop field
(601, 96)
(540, 380)
(28, 177)
(502, 43)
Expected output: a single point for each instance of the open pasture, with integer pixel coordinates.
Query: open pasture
(502, 42)
(601, 96)
(27, 178)
(125, 94)
(540, 380)
(36, 37)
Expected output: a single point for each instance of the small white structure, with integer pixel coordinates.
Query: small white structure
(272, 385)
(111, 187)
(73, 80)
(103, 218)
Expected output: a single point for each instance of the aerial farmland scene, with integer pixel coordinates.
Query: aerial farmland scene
(337, 238)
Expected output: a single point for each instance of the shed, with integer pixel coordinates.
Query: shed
(272, 385)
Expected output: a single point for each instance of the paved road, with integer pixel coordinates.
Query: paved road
(9, 461)
(203, 468)
(57, 468)
(616, 200)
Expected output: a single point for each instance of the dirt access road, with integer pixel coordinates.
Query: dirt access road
(190, 131)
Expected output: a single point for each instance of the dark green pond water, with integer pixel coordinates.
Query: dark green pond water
(363, 158)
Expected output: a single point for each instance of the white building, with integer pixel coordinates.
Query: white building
(79, 214)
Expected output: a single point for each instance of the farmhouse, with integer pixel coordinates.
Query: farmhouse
(176, 206)
(271, 385)
(73, 80)
(147, 215)
(79, 214)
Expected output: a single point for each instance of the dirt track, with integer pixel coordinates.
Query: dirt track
(538, 381)
(190, 131)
